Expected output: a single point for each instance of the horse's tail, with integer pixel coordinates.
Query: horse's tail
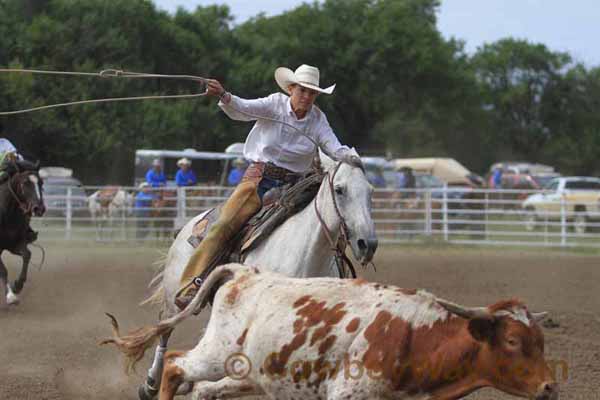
(134, 344)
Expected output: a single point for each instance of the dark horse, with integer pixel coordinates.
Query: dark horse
(20, 198)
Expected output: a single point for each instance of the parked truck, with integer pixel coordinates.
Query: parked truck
(575, 197)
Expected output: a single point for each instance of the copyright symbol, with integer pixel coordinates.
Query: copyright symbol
(238, 366)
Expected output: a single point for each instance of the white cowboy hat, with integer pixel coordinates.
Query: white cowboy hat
(156, 162)
(183, 161)
(144, 185)
(305, 76)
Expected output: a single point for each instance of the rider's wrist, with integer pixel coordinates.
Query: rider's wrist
(224, 97)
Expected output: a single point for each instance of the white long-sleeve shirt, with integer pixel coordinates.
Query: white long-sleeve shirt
(275, 142)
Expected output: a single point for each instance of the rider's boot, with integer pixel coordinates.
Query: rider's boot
(243, 203)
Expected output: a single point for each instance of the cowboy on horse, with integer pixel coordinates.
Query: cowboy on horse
(12, 162)
(280, 151)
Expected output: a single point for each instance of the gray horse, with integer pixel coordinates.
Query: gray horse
(20, 198)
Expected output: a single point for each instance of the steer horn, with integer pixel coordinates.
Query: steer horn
(465, 312)
(538, 316)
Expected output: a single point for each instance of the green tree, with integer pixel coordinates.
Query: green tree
(574, 120)
(517, 79)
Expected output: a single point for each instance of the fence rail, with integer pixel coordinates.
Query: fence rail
(493, 217)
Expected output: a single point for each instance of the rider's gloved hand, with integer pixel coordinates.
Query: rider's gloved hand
(349, 157)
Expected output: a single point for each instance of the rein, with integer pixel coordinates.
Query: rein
(26, 208)
(341, 260)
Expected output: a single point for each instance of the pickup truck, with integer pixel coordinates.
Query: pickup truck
(579, 195)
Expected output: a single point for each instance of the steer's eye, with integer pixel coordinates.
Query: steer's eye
(339, 190)
(513, 342)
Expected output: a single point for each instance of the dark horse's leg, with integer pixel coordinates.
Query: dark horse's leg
(9, 295)
(25, 253)
(3, 273)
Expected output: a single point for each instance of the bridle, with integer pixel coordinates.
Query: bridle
(25, 206)
(342, 261)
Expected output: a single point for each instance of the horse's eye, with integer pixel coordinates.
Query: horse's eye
(339, 190)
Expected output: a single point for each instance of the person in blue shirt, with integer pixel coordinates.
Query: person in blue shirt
(143, 206)
(155, 177)
(497, 178)
(236, 174)
(185, 176)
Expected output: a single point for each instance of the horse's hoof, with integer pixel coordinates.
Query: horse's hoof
(12, 299)
(146, 393)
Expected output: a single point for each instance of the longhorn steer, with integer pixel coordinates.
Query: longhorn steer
(323, 338)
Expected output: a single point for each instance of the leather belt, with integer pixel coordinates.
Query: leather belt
(274, 172)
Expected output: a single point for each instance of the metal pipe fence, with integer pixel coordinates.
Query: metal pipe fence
(452, 215)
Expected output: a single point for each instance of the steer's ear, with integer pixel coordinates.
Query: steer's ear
(482, 329)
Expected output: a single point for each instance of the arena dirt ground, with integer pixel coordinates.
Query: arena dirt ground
(48, 344)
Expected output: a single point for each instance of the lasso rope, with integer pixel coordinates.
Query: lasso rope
(107, 73)
(114, 73)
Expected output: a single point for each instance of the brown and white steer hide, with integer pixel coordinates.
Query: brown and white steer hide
(326, 338)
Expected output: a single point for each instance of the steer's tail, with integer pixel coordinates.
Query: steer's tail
(134, 344)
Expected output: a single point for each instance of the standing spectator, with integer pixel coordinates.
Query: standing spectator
(406, 180)
(155, 176)
(401, 179)
(185, 175)
(411, 182)
(143, 206)
(236, 174)
(497, 178)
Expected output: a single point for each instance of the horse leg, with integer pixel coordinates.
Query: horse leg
(11, 297)
(97, 225)
(4, 278)
(20, 282)
(149, 389)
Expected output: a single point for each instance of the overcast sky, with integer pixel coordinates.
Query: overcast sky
(565, 25)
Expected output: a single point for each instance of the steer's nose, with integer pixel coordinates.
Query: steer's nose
(367, 248)
(547, 391)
